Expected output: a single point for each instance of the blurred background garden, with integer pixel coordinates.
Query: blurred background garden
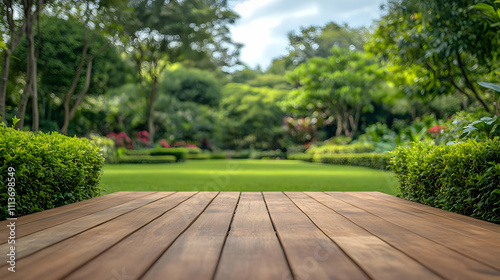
(154, 95)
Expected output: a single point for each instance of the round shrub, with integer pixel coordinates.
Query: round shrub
(50, 169)
(463, 178)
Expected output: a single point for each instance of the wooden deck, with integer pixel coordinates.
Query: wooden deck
(232, 235)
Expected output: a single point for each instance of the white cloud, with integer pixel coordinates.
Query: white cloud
(264, 24)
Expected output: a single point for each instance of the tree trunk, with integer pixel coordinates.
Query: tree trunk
(72, 88)
(470, 85)
(15, 39)
(31, 75)
(3, 84)
(152, 96)
(71, 111)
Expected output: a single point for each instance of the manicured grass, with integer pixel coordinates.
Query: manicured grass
(245, 175)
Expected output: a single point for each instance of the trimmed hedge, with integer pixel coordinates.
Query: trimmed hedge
(178, 153)
(51, 170)
(463, 178)
(371, 160)
(146, 159)
(342, 149)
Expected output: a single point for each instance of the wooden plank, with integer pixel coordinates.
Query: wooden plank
(456, 226)
(310, 253)
(377, 258)
(476, 248)
(60, 259)
(438, 258)
(132, 256)
(439, 212)
(194, 255)
(252, 249)
(60, 216)
(41, 239)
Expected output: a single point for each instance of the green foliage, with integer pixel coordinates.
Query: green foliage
(462, 178)
(371, 160)
(487, 125)
(180, 154)
(146, 159)
(190, 85)
(341, 149)
(50, 169)
(107, 146)
(436, 47)
(339, 88)
(250, 117)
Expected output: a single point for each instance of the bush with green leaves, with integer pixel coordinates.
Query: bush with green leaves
(342, 149)
(107, 146)
(146, 159)
(179, 153)
(50, 169)
(371, 160)
(462, 178)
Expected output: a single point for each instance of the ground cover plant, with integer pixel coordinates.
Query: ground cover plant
(245, 175)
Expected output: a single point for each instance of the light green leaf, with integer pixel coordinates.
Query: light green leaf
(490, 86)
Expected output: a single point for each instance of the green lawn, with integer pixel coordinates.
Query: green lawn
(245, 175)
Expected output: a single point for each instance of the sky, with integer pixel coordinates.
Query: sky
(263, 24)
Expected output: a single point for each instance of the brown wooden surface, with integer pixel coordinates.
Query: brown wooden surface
(251, 235)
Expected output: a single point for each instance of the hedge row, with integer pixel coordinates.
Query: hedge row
(146, 159)
(50, 170)
(463, 178)
(342, 149)
(371, 160)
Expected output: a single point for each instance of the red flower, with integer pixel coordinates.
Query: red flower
(164, 143)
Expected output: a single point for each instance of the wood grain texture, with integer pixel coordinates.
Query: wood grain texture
(61, 258)
(41, 220)
(136, 253)
(310, 253)
(252, 249)
(195, 254)
(476, 248)
(377, 258)
(440, 259)
(270, 235)
(437, 211)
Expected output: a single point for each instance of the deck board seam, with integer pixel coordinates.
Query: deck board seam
(110, 247)
(435, 214)
(59, 241)
(380, 238)
(180, 234)
(54, 225)
(434, 241)
(277, 237)
(227, 234)
(340, 248)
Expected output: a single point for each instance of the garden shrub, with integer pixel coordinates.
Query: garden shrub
(463, 178)
(371, 160)
(51, 169)
(147, 159)
(178, 153)
(107, 146)
(342, 149)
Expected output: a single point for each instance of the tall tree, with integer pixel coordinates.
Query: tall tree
(338, 88)
(15, 29)
(436, 47)
(165, 32)
(316, 41)
(31, 9)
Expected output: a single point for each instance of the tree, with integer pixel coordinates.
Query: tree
(191, 85)
(251, 117)
(338, 88)
(165, 32)
(98, 16)
(59, 55)
(316, 41)
(436, 47)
